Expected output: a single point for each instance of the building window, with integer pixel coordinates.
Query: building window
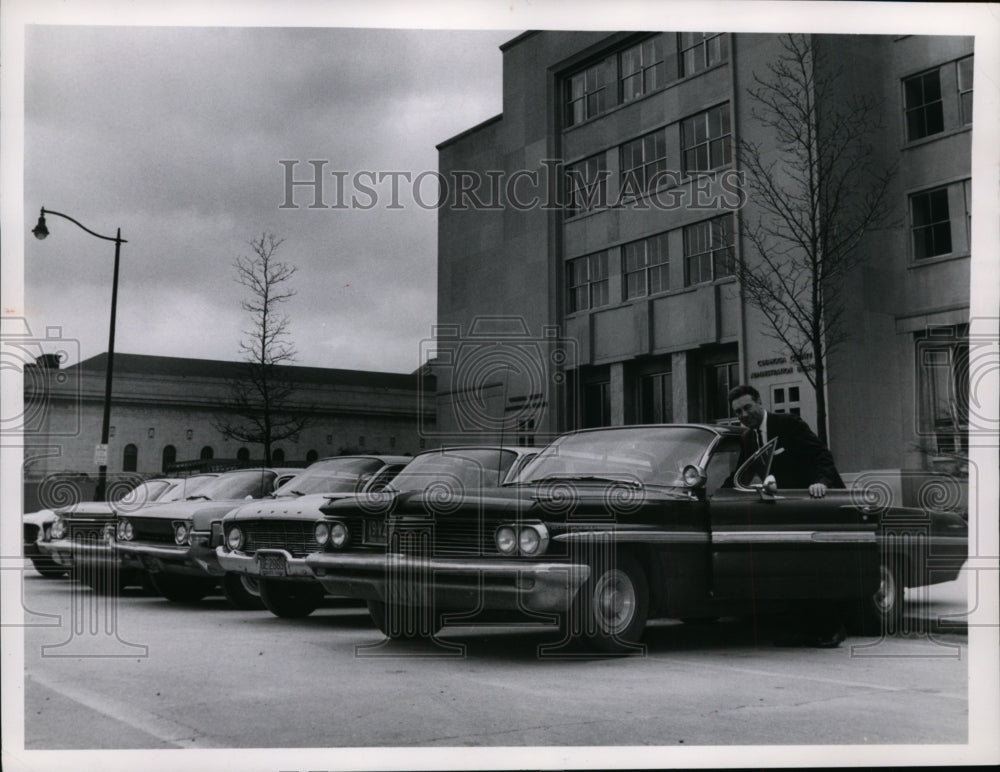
(719, 379)
(590, 92)
(111, 431)
(597, 404)
(645, 267)
(643, 69)
(243, 454)
(924, 108)
(706, 140)
(361, 441)
(311, 456)
(930, 223)
(130, 458)
(526, 432)
(169, 457)
(656, 398)
(206, 453)
(641, 160)
(278, 456)
(586, 185)
(589, 286)
(698, 51)
(786, 399)
(943, 388)
(967, 195)
(965, 90)
(708, 250)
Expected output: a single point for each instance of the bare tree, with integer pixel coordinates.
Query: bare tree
(259, 401)
(815, 198)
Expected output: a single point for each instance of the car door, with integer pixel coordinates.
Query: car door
(784, 544)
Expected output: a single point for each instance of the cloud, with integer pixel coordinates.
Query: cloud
(175, 136)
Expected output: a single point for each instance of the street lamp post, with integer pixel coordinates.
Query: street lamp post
(41, 231)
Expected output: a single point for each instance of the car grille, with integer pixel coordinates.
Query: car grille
(293, 536)
(152, 529)
(30, 533)
(443, 537)
(86, 531)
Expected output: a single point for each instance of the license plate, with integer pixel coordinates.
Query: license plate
(374, 531)
(272, 565)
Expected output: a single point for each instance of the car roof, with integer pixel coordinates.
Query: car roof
(722, 430)
(387, 459)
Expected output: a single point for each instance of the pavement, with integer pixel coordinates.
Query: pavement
(940, 608)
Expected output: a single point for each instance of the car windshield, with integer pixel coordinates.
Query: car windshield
(236, 485)
(459, 468)
(331, 475)
(186, 486)
(647, 455)
(144, 493)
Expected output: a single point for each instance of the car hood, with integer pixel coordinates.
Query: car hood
(39, 518)
(286, 508)
(201, 512)
(86, 509)
(551, 502)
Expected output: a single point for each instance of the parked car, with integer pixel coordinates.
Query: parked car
(607, 528)
(176, 543)
(36, 526)
(268, 545)
(77, 538)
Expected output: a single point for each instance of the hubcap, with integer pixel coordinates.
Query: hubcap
(614, 601)
(885, 596)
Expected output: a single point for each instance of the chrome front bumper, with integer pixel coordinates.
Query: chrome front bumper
(451, 583)
(239, 563)
(189, 560)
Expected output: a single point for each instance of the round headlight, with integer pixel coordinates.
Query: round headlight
(58, 529)
(234, 539)
(120, 531)
(109, 532)
(338, 534)
(506, 539)
(129, 531)
(180, 533)
(529, 540)
(322, 533)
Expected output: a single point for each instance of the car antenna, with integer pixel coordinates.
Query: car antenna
(503, 422)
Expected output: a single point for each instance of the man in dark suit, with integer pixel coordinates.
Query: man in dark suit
(800, 459)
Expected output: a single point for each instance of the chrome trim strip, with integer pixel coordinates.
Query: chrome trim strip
(797, 537)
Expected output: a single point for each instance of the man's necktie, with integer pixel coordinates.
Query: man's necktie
(758, 438)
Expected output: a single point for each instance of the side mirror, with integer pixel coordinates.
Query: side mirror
(768, 488)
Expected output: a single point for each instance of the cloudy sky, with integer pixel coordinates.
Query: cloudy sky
(170, 122)
(174, 134)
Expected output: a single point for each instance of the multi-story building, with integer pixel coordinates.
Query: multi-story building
(587, 248)
(165, 411)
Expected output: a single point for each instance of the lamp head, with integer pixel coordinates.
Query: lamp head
(40, 230)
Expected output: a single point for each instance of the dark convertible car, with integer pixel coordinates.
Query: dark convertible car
(607, 528)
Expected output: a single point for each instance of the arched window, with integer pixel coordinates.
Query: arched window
(207, 452)
(311, 456)
(130, 458)
(278, 456)
(169, 456)
(243, 454)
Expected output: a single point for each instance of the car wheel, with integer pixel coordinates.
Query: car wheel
(882, 612)
(242, 591)
(290, 599)
(48, 568)
(181, 589)
(403, 622)
(613, 605)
